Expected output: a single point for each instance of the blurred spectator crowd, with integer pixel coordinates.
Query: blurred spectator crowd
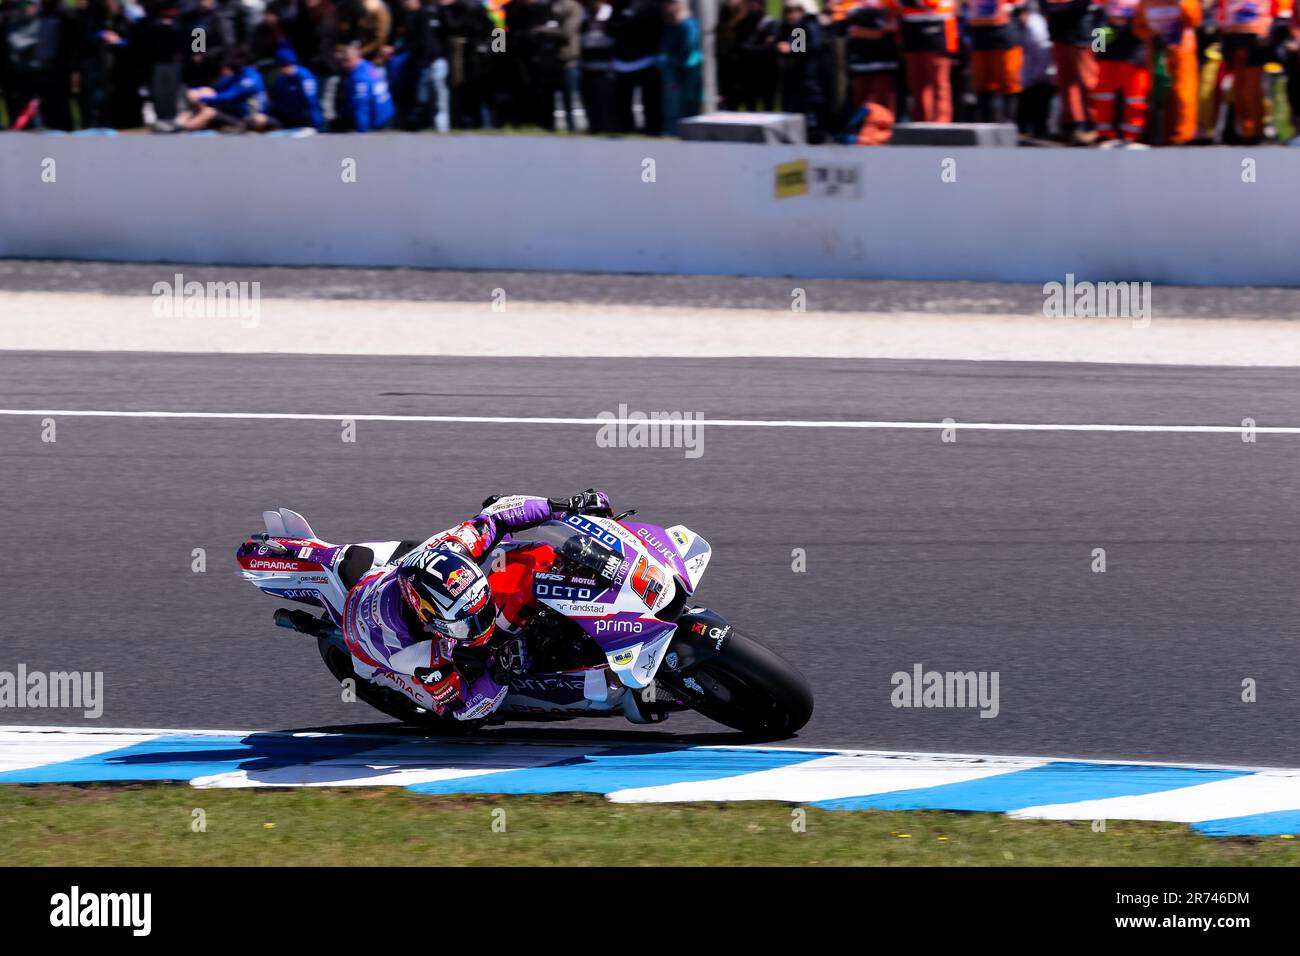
(1084, 72)
(1117, 72)
(349, 65)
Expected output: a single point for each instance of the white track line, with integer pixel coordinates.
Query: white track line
(712, 422)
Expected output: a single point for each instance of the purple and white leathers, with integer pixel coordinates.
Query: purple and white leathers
(387, 650)
(601, 605)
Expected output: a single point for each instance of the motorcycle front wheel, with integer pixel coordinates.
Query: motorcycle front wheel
(749, 688)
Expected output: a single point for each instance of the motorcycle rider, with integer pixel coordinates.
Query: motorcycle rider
(428, 624)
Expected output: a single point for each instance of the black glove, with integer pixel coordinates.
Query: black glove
(589, 502)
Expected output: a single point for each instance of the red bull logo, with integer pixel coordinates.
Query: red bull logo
(459, 580)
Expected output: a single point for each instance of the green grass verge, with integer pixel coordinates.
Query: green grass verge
(154, 824)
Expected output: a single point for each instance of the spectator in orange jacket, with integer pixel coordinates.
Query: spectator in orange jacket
(1123, 73)
(928, 36)
(1250, 32)
(1169, 27)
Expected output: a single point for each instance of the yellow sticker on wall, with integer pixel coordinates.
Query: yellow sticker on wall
(792, 179)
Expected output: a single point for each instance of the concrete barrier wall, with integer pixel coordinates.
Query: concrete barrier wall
(485, 202)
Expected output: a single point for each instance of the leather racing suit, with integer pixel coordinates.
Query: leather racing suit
(389, 647)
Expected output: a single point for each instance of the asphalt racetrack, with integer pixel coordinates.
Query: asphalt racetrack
(968, 555)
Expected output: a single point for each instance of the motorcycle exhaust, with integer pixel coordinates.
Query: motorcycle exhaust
(305, 623)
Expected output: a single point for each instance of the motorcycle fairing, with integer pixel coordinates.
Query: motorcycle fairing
(694, 550)
(565, 693)
(656, 542)
(637, 665)
(653, 577)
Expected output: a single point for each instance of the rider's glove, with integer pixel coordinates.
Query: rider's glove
(589, 502)
(443, 684)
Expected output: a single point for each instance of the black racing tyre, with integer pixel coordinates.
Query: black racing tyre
(390, 702)
(751, 688)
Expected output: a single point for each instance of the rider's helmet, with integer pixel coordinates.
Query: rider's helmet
(449, 593)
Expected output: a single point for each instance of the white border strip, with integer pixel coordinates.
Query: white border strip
(712, 422)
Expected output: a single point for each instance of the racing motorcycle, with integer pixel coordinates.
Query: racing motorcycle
(612, 634)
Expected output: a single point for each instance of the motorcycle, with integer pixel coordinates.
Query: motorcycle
(611, 632)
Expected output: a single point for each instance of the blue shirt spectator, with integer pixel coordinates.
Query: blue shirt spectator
(364, 102)
(295, 95)
(238, 93)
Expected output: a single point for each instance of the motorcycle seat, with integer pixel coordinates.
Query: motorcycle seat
(356, 562)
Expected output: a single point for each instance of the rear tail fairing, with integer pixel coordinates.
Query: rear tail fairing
(290, 562)
(294, 569)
